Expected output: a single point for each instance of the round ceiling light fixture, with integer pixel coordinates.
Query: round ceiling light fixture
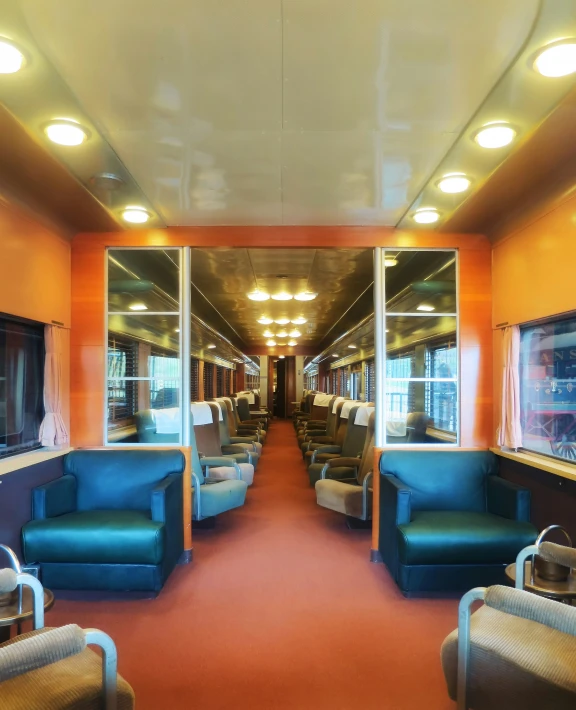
(298, 321)
(138, 307)
(268, 334)
(135, 214)
(352, 347)
(305, 296)
(271, 343)
(281, 357)
(282, 321)
(282, 334)
(389, 261)
(334, 354)
(556, 59)
(282, 296)
(66, 131)
(11, 58)
(295, 333)
(211, 347)
(495, 134)
(426, 215)
(292, 343)
(258, 295)
(453, 183)
(265, 321)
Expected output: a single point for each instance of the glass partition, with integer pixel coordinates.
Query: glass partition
(421, 366)
(144, 346)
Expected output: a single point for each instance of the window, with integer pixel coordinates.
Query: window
(21, 386)
(370, 375)
(194, 380)
(122, 393)
(548, 388)
(400, 394)
(164, 369)
(208, 380)
(219, 381)
(440, 397)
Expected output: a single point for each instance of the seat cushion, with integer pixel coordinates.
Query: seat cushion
(95, 536)
(225, 473)
(345, 498)
(75, 682)
(514, 663)
(460, 537)
(337, 472)
(219, 497)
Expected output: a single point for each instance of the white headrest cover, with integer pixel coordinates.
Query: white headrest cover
(338, 399)
(167, 420)
(201, 413)
(347, 406)
(363, 415)
(219, 405)
(322, 400)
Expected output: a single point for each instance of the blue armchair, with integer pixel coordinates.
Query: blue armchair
(113, 521)
(447, 521)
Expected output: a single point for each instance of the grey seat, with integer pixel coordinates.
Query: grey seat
(330, 430)
(352, 498)
(351, 447)
(248, 444)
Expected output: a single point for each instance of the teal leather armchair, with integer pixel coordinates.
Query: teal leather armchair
(447, 521)
(113, 521)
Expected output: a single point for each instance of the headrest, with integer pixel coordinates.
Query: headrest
(347, 406)
(201, 413)
(248, 395)
(363, 415)
(167, 420)
(338, 399)
(219, 405)
(322, 400)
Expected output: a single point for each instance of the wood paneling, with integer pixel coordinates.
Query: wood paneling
(88, 253)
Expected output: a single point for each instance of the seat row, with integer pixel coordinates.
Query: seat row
(114, 520)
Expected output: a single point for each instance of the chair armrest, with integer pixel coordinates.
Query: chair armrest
(320, 439)
(508, 499)
(216, 461)
(395, 509)
(345, 461)
(315, 424)
(166, 498)
(231, 449)
(532, 607)
(54, 498)
(243, 440)
(249, 425)
(367, 497)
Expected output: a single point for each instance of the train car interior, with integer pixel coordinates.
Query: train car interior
(287, 355)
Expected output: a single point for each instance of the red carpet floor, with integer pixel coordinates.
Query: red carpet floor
(280, 609)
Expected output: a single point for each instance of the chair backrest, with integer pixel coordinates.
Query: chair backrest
(145, 421)
(320, 406)
(310, 401)
(368, 452)
(416, 425)
(443, 480)
(224, 423)
(355, 435)
(333, 418)
(119, 480)
(208, 435)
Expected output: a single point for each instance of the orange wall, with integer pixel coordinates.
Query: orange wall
(35, 277)
(533, 275)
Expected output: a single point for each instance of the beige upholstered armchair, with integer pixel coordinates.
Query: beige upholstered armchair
(518, 651)
(52, 669)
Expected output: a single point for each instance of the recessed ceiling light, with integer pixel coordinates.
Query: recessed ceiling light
(295, 333)
(298, 321)
(425, 307)
(388, 261)
(352, 347)
(334, 354)
(292, 343)
(138, 307)
(282, 321)
(211, 347)
(11, 58)
(281, 357)
(66, 131)
(271, 343)
(282, 334)
(176, 330)
(557, 59)
(135, 214)
(426, 215)
(454, 182)
(282, 296)
(495, 135)
(265, 321)
(258, 295)
(305, 296)
(268, 333)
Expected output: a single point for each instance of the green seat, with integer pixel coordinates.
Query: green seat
(453, 537)
(222, 496)
(96, 537)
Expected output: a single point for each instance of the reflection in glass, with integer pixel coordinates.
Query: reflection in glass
(144, 346)
(548, 388)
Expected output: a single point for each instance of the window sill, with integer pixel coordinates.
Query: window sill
(565, 470)
(30, 458)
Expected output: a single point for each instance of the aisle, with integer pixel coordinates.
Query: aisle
(281, 609)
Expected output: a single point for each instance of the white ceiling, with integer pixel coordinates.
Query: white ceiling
(280, 111)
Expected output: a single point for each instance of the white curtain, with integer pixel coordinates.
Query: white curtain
(53, 431)
(510, 433)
